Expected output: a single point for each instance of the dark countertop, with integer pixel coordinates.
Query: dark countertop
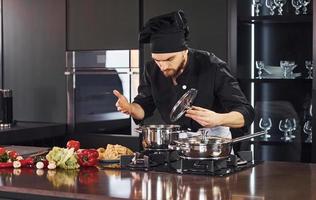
(269, 180)
(23, 132)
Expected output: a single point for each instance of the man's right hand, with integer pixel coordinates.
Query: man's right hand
(122, 104)
(133, 109)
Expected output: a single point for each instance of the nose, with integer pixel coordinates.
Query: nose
(162, 65)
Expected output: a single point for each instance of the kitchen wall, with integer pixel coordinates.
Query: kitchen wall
(36, 34)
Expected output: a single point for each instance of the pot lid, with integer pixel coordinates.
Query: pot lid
(197, 140)
(183, 104)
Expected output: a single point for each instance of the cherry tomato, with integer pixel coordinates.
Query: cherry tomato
(73, 144)
(13, 155)
(2, 150)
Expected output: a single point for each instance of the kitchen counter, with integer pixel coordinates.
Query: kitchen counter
(24, 132)
(269, 180)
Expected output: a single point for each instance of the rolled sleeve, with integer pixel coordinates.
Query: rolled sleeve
(144, 97)
(230, 95)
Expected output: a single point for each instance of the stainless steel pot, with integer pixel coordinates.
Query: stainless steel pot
(209, 147)
(158, 136)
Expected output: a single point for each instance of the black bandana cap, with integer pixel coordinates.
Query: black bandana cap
(166, 33)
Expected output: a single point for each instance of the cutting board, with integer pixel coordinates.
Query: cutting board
(27, 150)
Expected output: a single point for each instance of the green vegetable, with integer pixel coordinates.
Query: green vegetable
(64, 158)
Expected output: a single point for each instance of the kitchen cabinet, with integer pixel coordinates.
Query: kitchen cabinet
(33, 54)
(100, 24)
(281, 96)
(207, 21)
(91, 78)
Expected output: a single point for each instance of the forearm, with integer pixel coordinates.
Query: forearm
(136, 111)
(232, 119)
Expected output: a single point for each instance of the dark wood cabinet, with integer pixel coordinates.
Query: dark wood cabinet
(34, 58)
(280, 96)
(207, 21)
(100, 24)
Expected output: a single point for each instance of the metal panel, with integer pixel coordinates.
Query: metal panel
(100, 24)
(34, 59)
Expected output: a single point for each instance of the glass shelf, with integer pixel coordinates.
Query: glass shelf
(275, 80)
(276, 19)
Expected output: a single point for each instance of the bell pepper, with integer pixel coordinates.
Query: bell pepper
(88, 175)
(87, 157)
(73, 144)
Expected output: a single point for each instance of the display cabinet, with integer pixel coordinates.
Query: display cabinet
(91, 78)
(271, 49)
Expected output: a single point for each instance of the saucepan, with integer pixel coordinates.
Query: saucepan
(208, 147)
(158, 136)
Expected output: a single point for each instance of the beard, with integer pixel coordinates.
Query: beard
(173, 72)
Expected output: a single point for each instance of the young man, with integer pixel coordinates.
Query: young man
(175, 69)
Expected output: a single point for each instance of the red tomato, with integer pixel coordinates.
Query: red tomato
(13, 154)
(73, 144)
(2, 150)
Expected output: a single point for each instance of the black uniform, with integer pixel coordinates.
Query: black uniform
(217, 89)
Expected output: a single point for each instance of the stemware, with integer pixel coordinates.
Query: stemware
(297, 4)
(280, 4)
(309, 67)
(287, 68)
(308, 130)
(256, 4)
(292, 127)
(285, 126)
(260, 67)
(270, 4)
(265, 124)
(305, 3)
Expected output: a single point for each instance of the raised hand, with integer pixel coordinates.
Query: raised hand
(122, 103)
(205, 117)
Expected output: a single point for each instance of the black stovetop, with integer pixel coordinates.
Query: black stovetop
(172, 162)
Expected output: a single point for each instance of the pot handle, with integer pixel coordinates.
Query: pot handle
(138, 130)
(246, 137)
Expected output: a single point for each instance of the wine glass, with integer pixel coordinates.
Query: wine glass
(280, 4)
(308, 130)
(256, 4)
(297, 4)
(270, 4)
(285, 127)
(287, 68)
(305, 3)
(260, 67)
(265, 124)
(309, 67)
(292, 127)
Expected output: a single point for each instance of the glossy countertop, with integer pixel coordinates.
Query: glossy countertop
(269, 180)
(24, 132)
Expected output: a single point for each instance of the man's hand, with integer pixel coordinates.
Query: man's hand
(209, 119)
(122, 103)
(206, 118)
(133, 109)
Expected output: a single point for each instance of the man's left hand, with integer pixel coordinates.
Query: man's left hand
(205, 117)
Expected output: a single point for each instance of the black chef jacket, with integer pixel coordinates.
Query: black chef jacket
(217, 89)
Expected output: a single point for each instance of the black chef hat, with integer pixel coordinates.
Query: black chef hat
(166, 33)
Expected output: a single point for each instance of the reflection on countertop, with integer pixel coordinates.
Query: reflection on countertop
(270, 180)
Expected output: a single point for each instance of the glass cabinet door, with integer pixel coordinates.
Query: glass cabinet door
(91, 77)
(274, 67)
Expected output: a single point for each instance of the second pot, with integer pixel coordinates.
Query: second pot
(209, 147)
(158, 136)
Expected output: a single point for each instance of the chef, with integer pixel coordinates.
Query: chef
(174, 69)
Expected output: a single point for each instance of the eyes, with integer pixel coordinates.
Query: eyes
(166, 60)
